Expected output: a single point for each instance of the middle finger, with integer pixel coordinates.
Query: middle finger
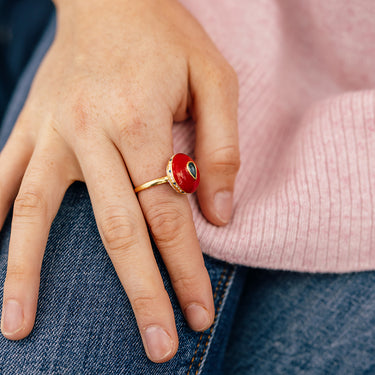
(169, 217)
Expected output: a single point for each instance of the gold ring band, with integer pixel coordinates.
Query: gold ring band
(157, 181)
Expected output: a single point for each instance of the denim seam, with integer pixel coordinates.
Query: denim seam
(224, 296)
(201, 336)
(207, 340)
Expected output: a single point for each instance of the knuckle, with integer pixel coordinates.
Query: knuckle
(223, 72)
(119, 231)
(80, 114)
(17, 272)
(217, 74)
(133, 132)
(84, 117)
(166, 222)
(225, 160)
(143, 304)
(188, 282)
(29, 204)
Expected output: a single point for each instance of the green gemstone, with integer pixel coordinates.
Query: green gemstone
(192, 169)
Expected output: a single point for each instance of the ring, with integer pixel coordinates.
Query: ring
(182, 174)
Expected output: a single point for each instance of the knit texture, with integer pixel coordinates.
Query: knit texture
(304, 197)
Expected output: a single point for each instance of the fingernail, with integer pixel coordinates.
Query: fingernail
(12, 319)
(198, 317)
(223, 205)
(158, 343)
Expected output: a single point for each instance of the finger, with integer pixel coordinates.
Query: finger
(215, 102)
(36, 205)
(169, 217)
(14, 158)
(125, 237)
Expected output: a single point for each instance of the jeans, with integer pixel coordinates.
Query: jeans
(285, 323)
(304, 324)
(85, 324)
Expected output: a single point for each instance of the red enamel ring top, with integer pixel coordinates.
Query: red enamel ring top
(182, 174)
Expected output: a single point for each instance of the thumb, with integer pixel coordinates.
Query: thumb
(214, 92)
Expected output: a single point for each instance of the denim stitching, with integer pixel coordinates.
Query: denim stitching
(217, 316)
(207, 340)
(201, 336)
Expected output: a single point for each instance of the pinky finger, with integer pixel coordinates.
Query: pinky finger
(14, 159)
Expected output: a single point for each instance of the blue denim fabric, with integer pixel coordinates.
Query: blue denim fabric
(84, 323)
(304, 324)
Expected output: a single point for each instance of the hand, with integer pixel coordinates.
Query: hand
(101, 110)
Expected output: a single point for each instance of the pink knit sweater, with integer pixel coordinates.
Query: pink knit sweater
(305, 193)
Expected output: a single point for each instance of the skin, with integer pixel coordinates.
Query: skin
(101, 110)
